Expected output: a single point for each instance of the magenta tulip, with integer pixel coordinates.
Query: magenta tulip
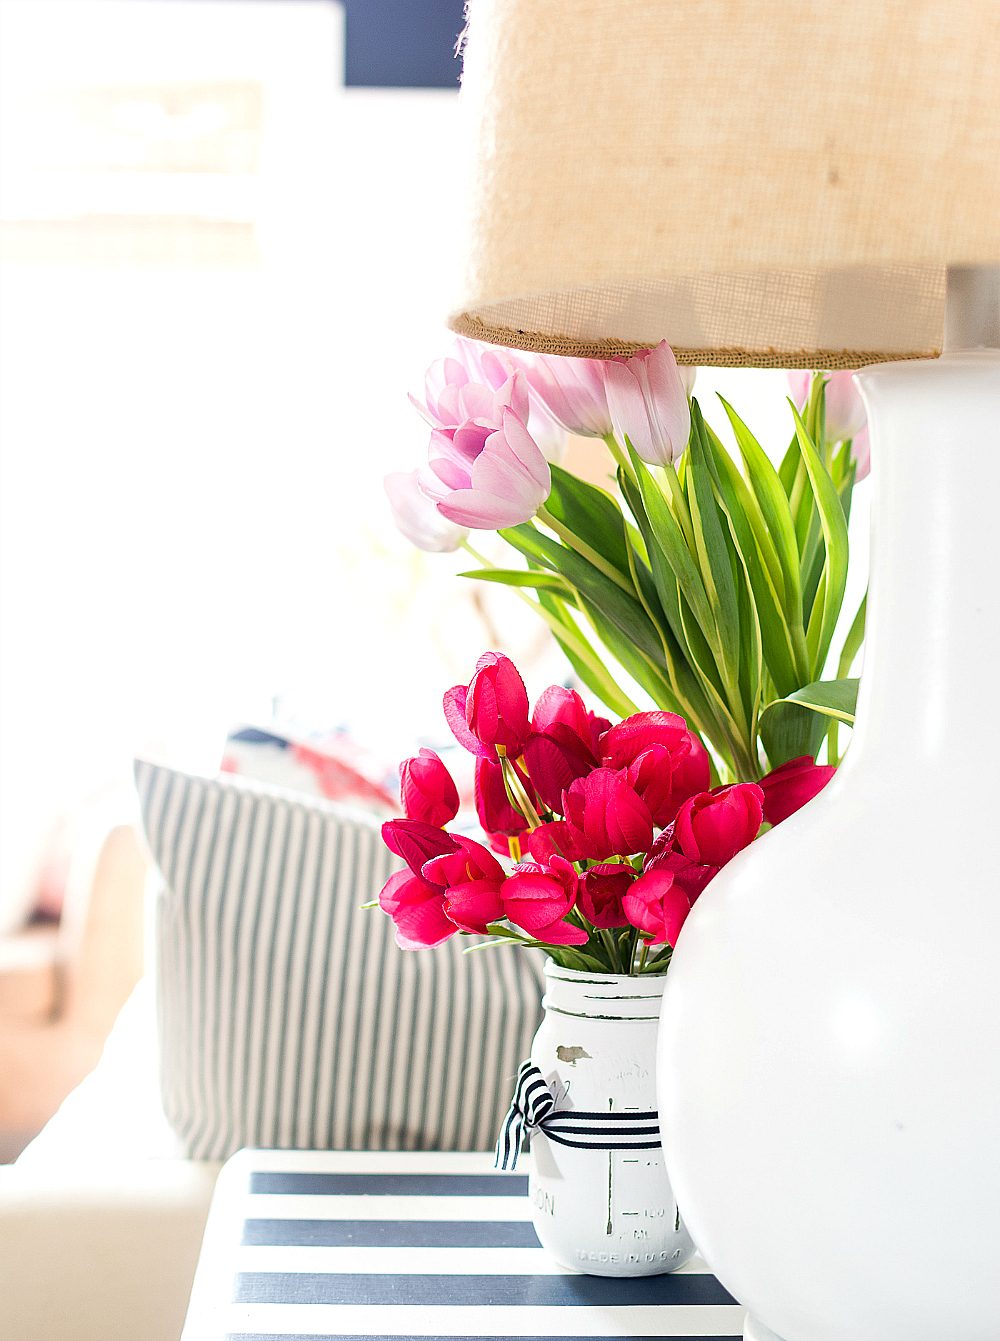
(609, 817)
(556, 757)
(496, 706)
(416, 516)
(788, 787)
(651, 774)
(558, 704)
(692, 774)
(454, 704)
(536, 898)
(712, 827)
(493, 806)
(572, 390)
(428, 789)
(625, 742)
(648, 402)
(845, 410)
(473, 905)
(417, 843)
(417, 909)
(601, 892)
(556, 839)
(658, 906)
(690, 876)
(471, 878)
(652, 746)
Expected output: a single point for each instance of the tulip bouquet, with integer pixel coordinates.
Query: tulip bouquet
(716, 588)
(614, 830)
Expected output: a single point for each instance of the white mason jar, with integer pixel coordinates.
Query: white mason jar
(604, 1212)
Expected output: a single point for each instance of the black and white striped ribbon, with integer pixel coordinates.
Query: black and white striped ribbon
(533, 1108)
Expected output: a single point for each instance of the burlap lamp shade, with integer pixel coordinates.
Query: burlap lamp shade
(773, 185)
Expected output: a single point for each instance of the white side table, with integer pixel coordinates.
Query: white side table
(311, 1244)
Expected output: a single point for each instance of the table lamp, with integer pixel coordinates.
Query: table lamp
(813, 185)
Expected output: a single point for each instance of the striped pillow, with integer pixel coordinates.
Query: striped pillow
(287, 1015)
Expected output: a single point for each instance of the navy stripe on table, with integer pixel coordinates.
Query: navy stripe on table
(326, 1336)
(314, 1287)
(390, 1233)
(391, 1184)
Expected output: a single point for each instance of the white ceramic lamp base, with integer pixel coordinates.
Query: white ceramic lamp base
(829, 1061)
(756, 1331)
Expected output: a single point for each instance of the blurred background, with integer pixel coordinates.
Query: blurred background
(228, 229)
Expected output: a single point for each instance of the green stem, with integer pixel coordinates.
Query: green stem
(614, 957)
(585, 551)
(516, 794)
(621, 458)
(680, 507)
(642, 957)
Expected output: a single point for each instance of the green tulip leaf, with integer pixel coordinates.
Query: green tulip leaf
(589, 513)
(796, 725)
(521, 577)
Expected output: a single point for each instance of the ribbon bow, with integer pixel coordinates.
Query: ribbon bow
(533, 1108)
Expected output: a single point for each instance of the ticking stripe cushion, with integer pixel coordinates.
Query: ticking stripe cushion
(287, 1015)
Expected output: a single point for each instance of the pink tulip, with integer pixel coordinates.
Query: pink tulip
(416, 516)
(536, 898)
(417, 909)
(788, 787)
(601, 892)
(493, 806)
(464, 385)
(845, 410)
(417, 843)
(648, 404)
(505, 483)
(658, 906)
(609, 817)
(572, 390)
(688, 875)
(493, 365)
(428, 789)
(712, 827)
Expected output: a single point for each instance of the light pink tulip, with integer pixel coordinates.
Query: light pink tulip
(458, 388)
(572, 390)
(845, 410)
(416, 516)
(501, 483)
(648, 403)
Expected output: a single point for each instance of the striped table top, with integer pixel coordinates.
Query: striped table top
(302, 1245)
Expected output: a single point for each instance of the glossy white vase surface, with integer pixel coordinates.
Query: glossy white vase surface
(603, 1212)
(829, 1054)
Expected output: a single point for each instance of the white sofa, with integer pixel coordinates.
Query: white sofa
(100, 1219)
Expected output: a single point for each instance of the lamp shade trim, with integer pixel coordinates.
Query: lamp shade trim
(540, 342)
